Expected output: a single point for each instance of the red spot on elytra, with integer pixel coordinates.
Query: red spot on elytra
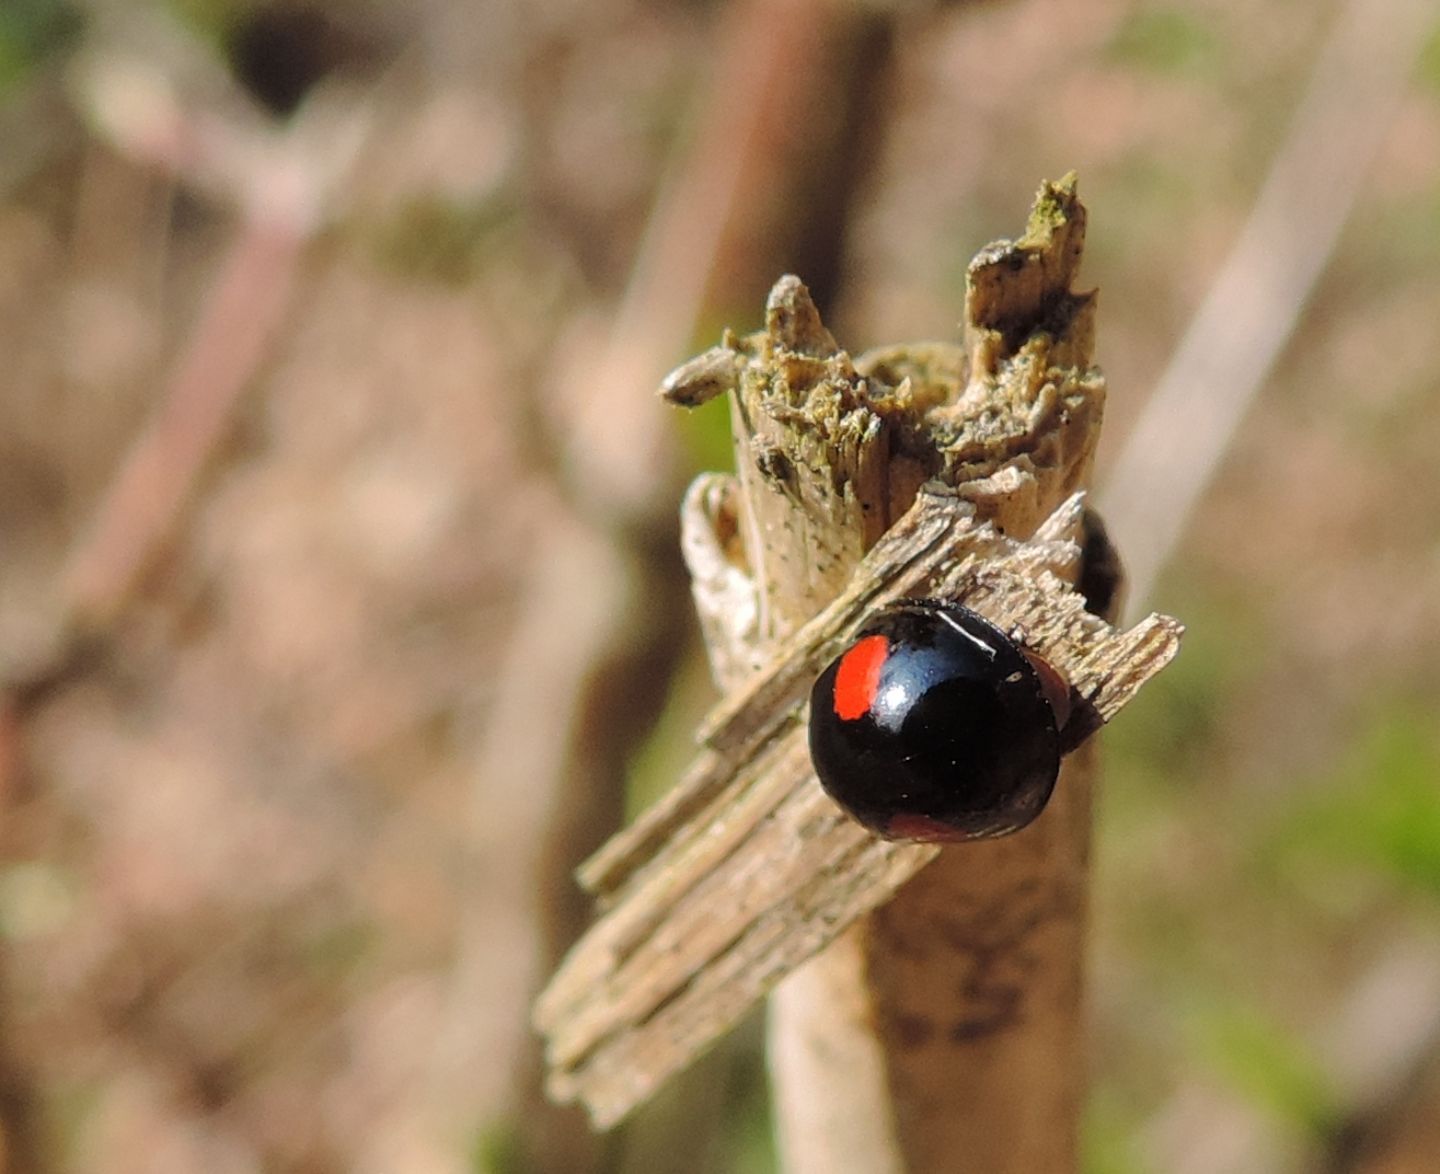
(859, 676)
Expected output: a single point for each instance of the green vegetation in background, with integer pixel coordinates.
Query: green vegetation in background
(660, 759)
(1263, 1061)
(1400, 235)
(497, 1150)
(211, 20)
(1144, 197)
(705, 431)
(1165, 738)
(962, 233)
(31, 31)
(337, 949)
(712, 1118)
(37, 898)
(1375, 818)
(751, 1141)
(1158, 805)
(705, 436)
(1429, 68)
(1108, 1132)
(446, 241)
(1167, 41)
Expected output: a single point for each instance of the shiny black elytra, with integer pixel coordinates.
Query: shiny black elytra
(935, 725)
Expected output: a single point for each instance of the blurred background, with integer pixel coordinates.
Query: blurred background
(340, 606)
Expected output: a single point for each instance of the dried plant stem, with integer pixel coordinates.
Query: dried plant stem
(861, 482)
(747, 869)
(943, 1031)
(284, 185)
(138, 516)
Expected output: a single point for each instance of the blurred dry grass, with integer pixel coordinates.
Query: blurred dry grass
(276, 872)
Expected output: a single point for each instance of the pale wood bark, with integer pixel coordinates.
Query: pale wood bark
(957, 1005)
(746, 869)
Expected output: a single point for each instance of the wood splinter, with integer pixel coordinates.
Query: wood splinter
(930, 470)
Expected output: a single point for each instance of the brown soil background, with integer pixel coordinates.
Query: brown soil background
(304, 729)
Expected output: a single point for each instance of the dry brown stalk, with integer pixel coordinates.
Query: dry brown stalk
(711, 223)
(747, 870)
(284, 184)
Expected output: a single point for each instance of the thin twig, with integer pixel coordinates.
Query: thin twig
(1257, 297)
(282, 185)
(140, 511)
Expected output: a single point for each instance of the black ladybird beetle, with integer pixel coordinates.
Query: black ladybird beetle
(935, 725)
